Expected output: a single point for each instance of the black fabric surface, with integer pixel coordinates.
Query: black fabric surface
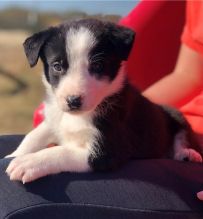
(142, 189)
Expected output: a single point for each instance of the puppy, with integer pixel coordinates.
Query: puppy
(96, 118)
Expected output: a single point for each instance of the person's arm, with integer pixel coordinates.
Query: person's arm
(182, 84)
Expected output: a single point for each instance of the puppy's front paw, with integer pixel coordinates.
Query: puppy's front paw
(14, 154)
(27, 168)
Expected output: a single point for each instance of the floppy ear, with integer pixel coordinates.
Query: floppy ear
(33, 45)
(122, 39)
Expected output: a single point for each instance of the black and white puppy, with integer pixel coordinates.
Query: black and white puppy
(97, 119)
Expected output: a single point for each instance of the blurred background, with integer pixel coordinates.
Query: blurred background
(21, 89)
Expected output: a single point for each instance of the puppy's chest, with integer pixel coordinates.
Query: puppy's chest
(77, 131)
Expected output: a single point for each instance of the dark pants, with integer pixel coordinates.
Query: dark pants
(152, 189)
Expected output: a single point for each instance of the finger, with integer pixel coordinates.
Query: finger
(200, 195)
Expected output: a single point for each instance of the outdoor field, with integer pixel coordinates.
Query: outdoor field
(20, 86)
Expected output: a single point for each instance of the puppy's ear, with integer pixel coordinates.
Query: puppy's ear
(33, 45)
(122, 39)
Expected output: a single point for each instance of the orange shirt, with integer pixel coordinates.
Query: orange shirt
(193, 31)
(193, 37)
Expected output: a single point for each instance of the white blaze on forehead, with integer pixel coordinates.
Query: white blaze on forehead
(79, 43)
(78, 81)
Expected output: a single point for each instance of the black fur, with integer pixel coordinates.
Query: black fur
(131, 126)
(114, 44)
(136, 128)
(49, 45)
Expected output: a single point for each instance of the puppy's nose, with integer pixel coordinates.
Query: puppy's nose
(74, 102)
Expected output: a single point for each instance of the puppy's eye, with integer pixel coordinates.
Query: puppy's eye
(57, 67)
(97, 67)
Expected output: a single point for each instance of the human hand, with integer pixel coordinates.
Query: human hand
(200, 195)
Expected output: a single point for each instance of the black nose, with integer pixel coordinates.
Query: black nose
(74, 102)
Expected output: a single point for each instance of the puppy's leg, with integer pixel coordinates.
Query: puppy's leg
(34, 141)
(53, 160)
(182, 151)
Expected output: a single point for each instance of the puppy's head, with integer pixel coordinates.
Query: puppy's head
(82, 61)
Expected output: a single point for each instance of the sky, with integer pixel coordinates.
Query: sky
(120, 7)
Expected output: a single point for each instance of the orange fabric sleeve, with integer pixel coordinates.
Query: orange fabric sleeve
(193, 30)
(192, 36)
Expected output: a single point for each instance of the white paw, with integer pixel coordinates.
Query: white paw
(188, 154)
(14, 154)
(27, 168)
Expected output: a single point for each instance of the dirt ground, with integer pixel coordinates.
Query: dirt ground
(21, 89)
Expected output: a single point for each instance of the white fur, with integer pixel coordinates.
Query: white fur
(78, 81)
(74, 133)
(182, 151)
(31, 166)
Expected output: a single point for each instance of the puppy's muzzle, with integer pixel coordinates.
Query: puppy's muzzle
(74, 102)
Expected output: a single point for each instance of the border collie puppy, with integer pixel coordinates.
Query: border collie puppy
(95, 117)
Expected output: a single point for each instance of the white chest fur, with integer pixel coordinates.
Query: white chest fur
(77, 130)
(71, 129)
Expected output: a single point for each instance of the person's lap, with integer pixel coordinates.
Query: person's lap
(141, 189)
